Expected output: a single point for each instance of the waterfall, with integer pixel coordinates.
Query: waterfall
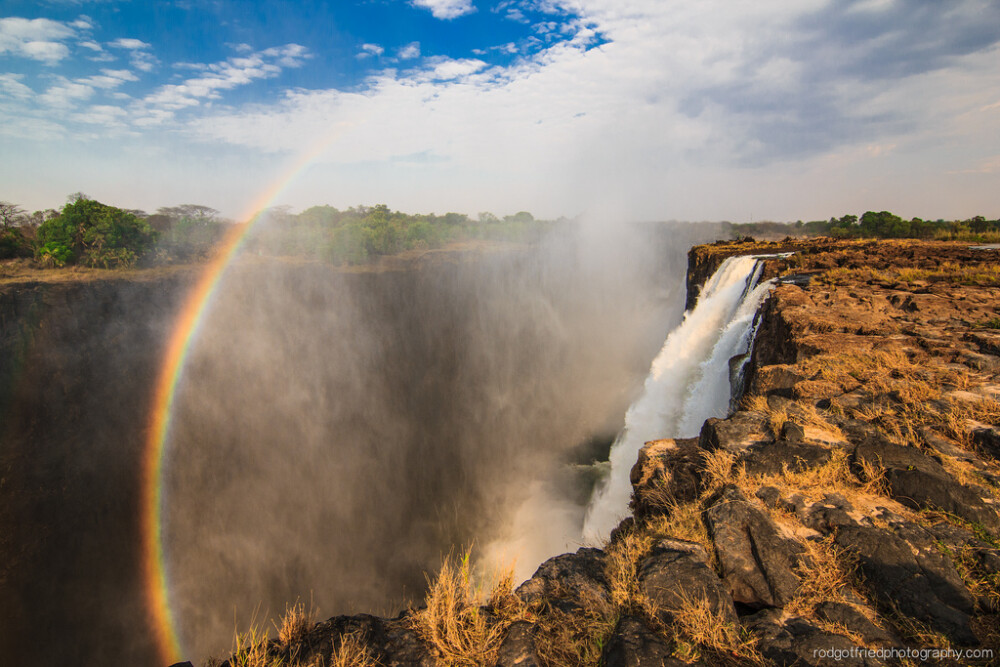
(688, 382)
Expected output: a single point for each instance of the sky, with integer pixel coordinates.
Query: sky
(625, 109)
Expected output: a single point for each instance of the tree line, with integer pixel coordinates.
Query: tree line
(882, 225)
(89, 233)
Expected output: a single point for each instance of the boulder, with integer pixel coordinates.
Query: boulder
(677, 572)
(633, 644)
(569, 582)
(778, 379)
(918, 481)
(757, 563)
(736, 433)
(987, 440)
(399, 646)
(827, 514)
(852, 619)
(666, 472)
(796, 641)
(905, 570)
(518, 647)
(772, 458)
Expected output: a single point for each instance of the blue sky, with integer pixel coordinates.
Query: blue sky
(630, 109)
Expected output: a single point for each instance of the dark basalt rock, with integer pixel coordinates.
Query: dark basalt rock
(917, 480)
(798, 642)
(905, 570)
(772, 458)
(736, 433)
(779, 380)
(829, 513)
(677, 572)
(850, 618)
(568, 582)
(633, 644)
(666, 472)
(518, 647)
(399, 646)
(757, 562)
(987, 440)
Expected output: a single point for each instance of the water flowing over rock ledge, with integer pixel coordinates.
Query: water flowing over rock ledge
(845, 514)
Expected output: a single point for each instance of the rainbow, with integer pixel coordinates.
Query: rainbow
(179, 343)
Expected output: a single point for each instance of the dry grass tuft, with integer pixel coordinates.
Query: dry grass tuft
(717, 470)
(250, 649)
(621, 568)
(699, 628)
(834, 476)
(873, 478)
(825, 577)
(577, 639)
(683, 522)
(295, 624)
(352, 651)
(455, 626)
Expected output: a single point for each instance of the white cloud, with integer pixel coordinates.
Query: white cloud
(106, 115)
(99, 54)
(446, 9)
(711, 109)
(36, 39)
(66, 94)
(681, 101)
(290, 55)
(160, 105)
(83, 23)
(109, 78)
(369, 50)
(138, 50)
(11, 85)
(130, 44)
(409, 52)
(444, 69)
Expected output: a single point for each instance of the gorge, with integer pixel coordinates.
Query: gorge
(846, 505)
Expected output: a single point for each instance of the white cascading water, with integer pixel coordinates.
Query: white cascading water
(688, 382)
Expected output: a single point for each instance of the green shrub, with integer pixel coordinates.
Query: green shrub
(14, 244)
(94, 234)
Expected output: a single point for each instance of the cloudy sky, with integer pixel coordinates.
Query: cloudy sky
(639, 109)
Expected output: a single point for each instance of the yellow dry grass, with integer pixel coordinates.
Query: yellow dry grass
(295, 624)
(454, 623)
(683, 522)
(825, 574)
(982, 275)
(698, 628)
(352, 651)
(621, 567)
(250, 649)
(575, 639)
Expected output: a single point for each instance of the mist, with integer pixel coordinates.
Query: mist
(336, 432)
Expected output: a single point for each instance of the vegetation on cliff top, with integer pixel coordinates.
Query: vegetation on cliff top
(88, 233)
(877, 225)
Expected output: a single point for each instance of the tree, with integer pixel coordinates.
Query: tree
(95, 234)
(520, 216)
(881, 224)
(11, 215)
